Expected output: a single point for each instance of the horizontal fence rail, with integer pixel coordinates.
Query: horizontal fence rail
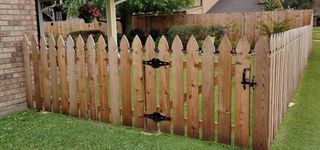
(199, 91)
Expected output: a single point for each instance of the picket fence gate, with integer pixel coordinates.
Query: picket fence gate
(202, 93)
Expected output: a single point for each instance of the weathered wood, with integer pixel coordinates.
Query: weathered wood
(138, 83)
(225, 78)
(63, 75)
(150, 83)
(82, 80)
(193, 87)
(54, 75)
(125, 72)
(45, 84)
(71, 71)
(36, 72)
(242, 111)
(103, 79)
(164, 90)
(114, 81)
(261, 96)
(177, 95)
(27, 70)
(92, 77)
(208, 89)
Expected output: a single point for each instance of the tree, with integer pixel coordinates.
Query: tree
(298, 4)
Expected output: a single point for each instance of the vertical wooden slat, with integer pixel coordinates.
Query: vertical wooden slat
(103, 79)
(242, 112)
(81, 71)
(27, 70)
(208, 90)
(54, 74)
(163, 47)
(177, 95)
(71, 71)
(150, 75)
(138, 81)
(45, 73)
(62, 75)
(125, 71)
(92, 75)
(114, 81)
(193, 87)
(36, 72)
(224, 109)
(261, 138)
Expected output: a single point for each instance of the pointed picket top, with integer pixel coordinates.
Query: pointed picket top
(112, 45)
(177, 45)
(136, 44)
(34, 43)
(163, 46)
(124, 45)
(243, 47)
(101, 44)
(192, 46)
(262, 46)
(60, 42)
(70, 43)
(25, 41)
(208, 46)
(225, 45)
(43, 42)
(80, 43)
(150, 46)
(52, 42)
(90, 43)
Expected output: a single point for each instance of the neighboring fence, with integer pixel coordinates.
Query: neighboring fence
(66, 27)
(188, 92)
(240, 24)
(280, 68)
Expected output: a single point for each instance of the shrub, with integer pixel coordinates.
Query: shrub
(277, 27)
(138, 32)
(155, 34)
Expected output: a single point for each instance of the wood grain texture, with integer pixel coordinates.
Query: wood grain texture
(54, 75)
(82, 79)
(150, 83)
(225, 78)
(208, 89)
(27, 70)
(193, 87)
(36, 72)
(164, 90)
(72, 79)
(261, 96)
(114, 81)
(242, 106)
(92, 77)
(177, 95)
(103, 79)
(63, 75)
(125, 72)
(138, 83)
(45, 84)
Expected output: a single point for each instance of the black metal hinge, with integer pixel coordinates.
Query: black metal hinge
(245, 82)
(156, 63)
(157, 117)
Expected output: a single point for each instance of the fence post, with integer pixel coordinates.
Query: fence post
(261, 137)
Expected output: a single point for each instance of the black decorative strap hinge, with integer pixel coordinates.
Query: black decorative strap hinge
(156, 63)
(157, 117)
(245, 82)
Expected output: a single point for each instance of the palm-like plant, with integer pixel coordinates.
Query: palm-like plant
(272, 5)
(277, 27)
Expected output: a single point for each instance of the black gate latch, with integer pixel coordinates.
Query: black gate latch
(245, 82)
(156, 63)
(157, 117)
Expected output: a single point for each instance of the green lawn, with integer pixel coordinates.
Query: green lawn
(33, 130)
(300, 128)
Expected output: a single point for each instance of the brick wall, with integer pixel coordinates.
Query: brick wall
(17, 17)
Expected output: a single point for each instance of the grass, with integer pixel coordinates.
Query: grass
(33, 130)
(300, 128)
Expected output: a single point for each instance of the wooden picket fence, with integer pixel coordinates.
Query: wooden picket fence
(64, 28)
(115, 85)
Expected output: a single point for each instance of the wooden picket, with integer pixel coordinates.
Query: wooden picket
(112, 84)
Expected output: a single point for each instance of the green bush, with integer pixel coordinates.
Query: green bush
(199, 32)
(138, 32)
